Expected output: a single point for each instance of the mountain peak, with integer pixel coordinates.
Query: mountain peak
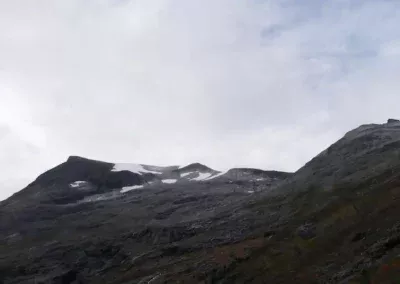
(196, 167)
(79, 159)
(74, 158)
(392, 120)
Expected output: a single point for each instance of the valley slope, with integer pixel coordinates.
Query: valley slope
(333, 221)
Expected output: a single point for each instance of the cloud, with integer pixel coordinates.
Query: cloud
(266, 84)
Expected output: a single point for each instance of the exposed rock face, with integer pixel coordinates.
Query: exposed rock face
(366, 151)
(256, 174)
(196, 167)
(391, 120)
(333, 221)
(75, 168)
(55, 184)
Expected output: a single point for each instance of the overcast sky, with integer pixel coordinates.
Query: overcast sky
(257, 83)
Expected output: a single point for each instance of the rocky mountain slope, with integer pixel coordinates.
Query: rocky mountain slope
(333, 221)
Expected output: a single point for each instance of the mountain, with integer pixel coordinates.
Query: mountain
(366, 151)
(332, 221)
(79, 178)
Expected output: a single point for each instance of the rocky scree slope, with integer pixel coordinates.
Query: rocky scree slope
(333, 221)
(48, 227)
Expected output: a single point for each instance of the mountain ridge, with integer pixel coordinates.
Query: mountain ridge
(332, 221)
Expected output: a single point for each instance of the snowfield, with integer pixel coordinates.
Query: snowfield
(134, 168)
(218, 175)
(77, 183)
(202, 176)
(186, 174)
(170, 181)
(129, 188)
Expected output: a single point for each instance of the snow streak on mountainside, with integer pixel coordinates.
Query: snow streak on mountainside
(134, 168)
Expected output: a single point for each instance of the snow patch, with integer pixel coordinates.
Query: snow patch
(202, 176)
(95, 198)
(218, 175)
(99, 197)
(129, 188)
(250, 191)
(134, 168)
(169, 181)
(77, 183)
(186, 174)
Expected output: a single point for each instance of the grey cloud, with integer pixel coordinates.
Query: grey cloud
(266, 84)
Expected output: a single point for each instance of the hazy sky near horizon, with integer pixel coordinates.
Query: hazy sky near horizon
(265, 84)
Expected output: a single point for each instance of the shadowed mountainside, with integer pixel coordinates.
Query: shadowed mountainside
(333, 221)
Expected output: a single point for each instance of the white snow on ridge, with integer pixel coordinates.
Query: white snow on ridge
(129, 188)
(202, 176)
(186, 174)
(134, 168)
(169, 181)
(77, 183)
(218, 175)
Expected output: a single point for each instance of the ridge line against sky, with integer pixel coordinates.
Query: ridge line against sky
(228, 83)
